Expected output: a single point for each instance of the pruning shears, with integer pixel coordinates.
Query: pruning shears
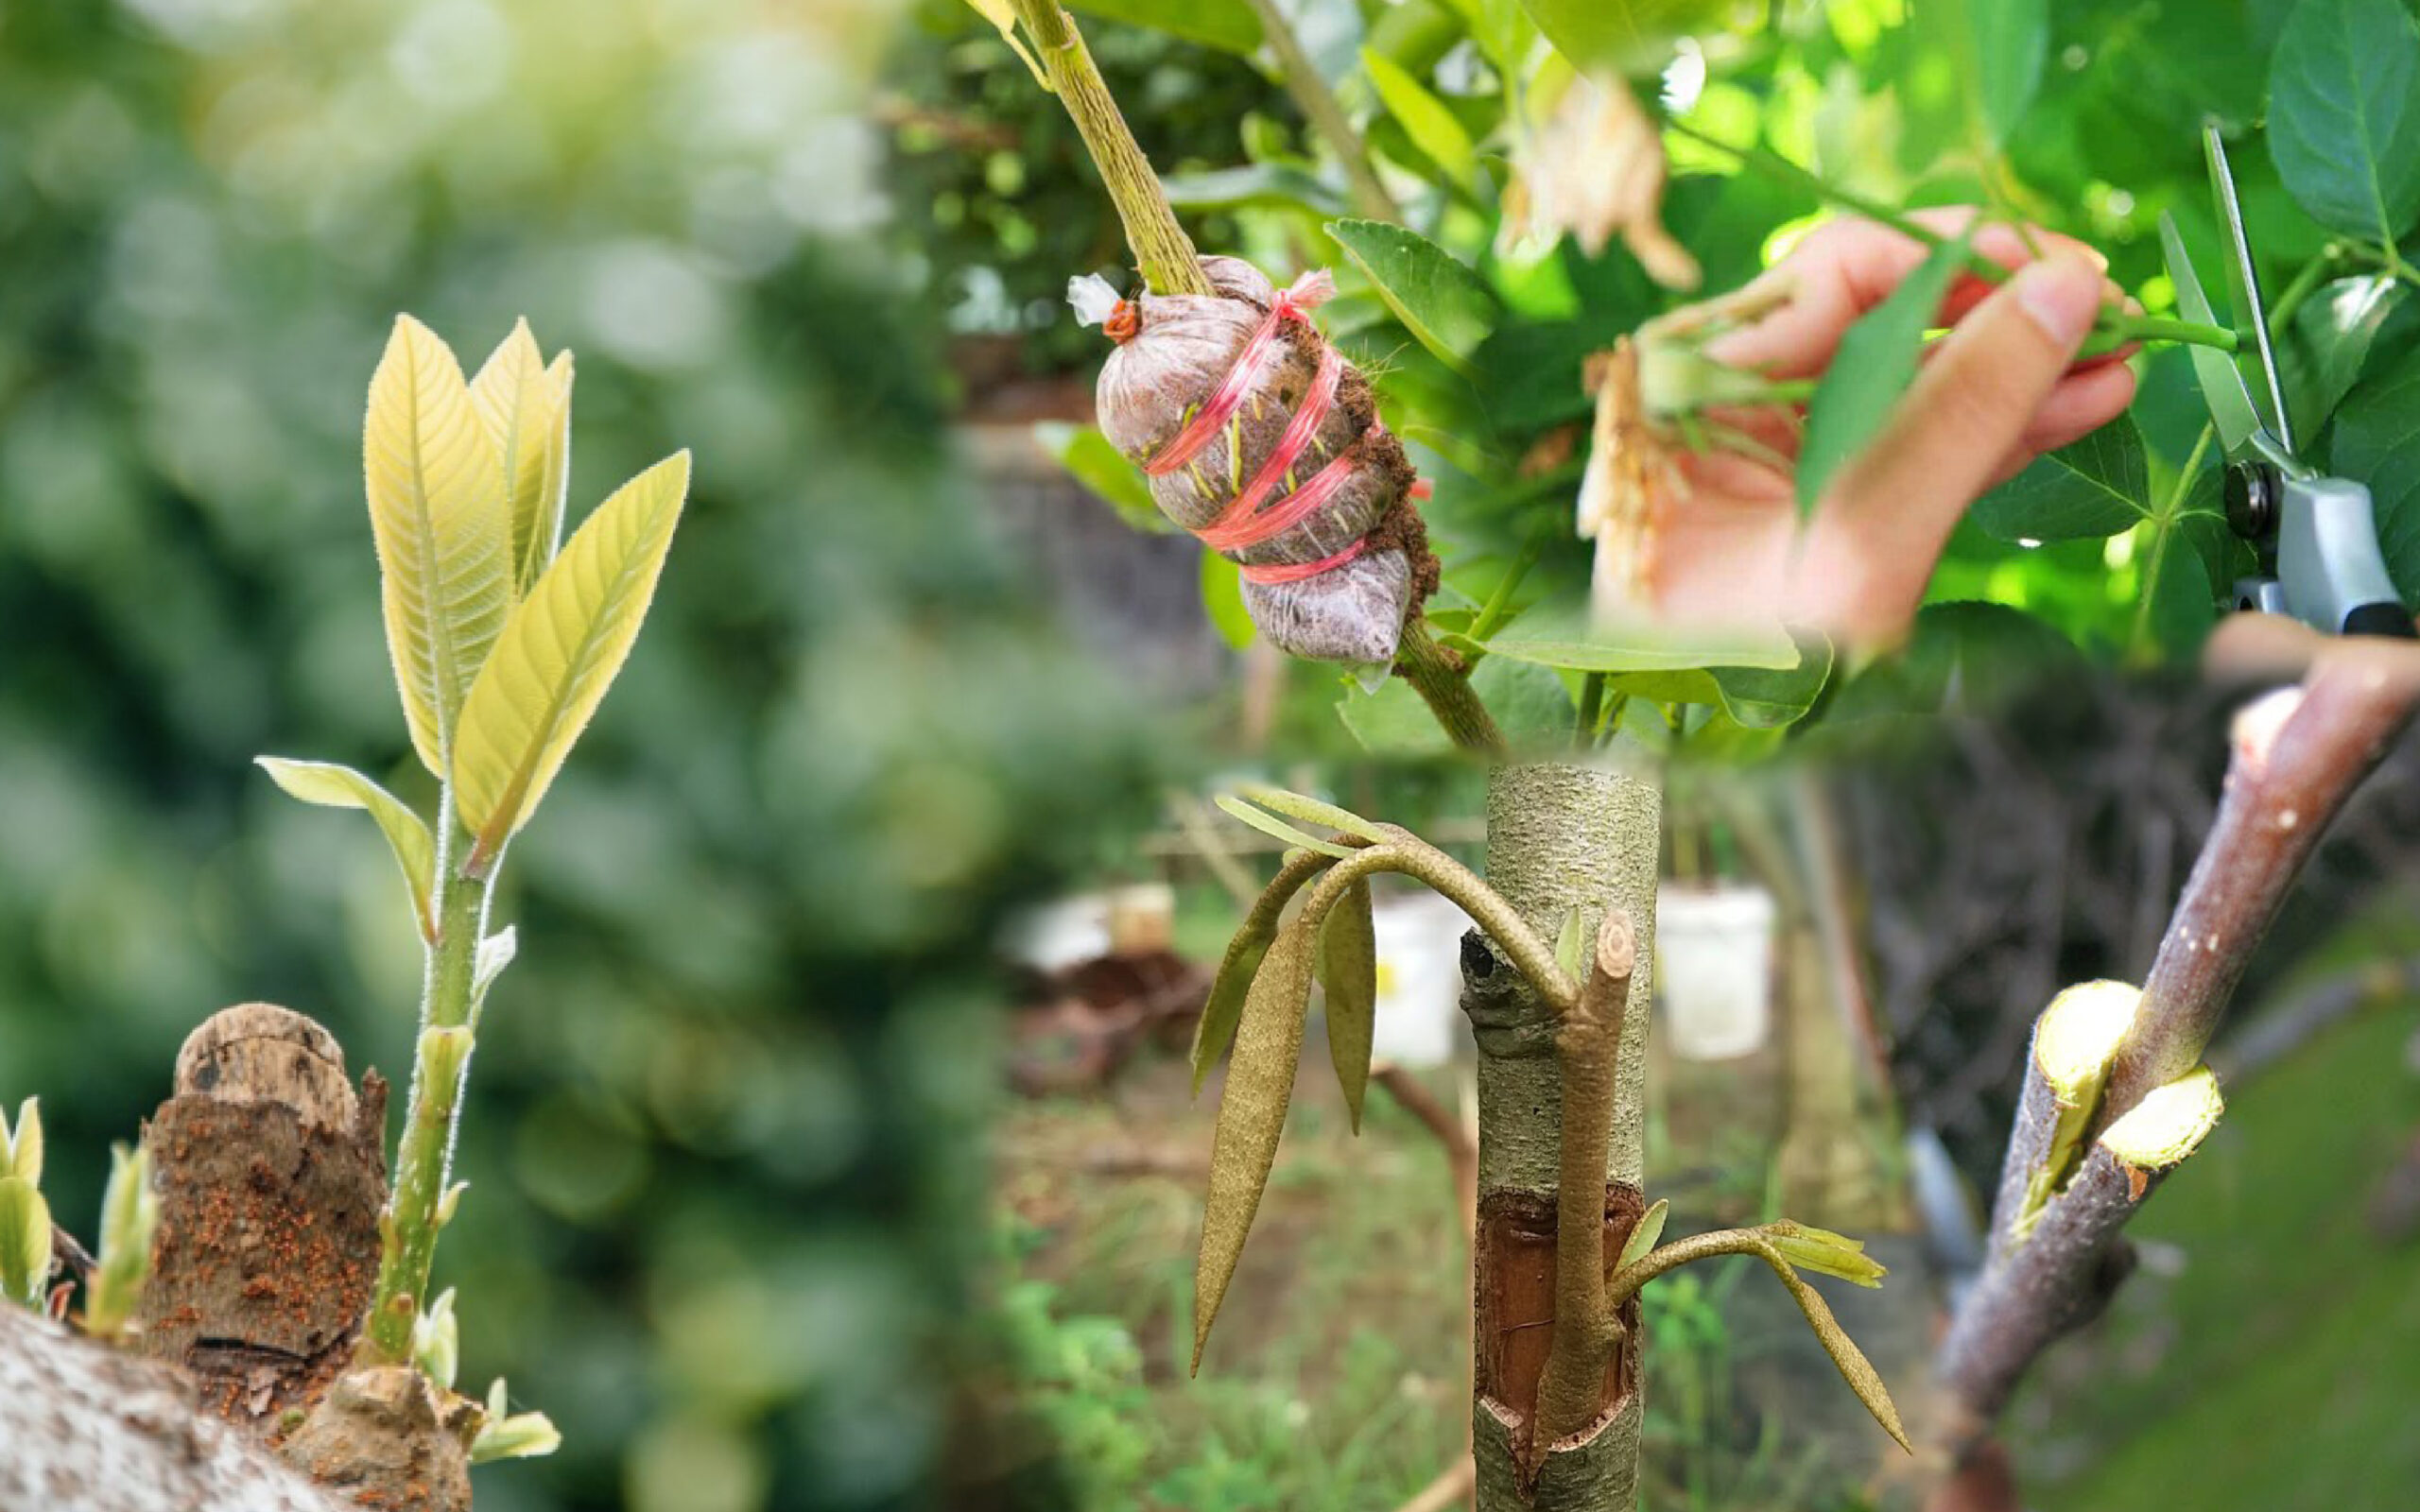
(2315, 536)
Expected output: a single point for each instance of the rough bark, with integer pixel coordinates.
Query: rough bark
(91, 1429)
(1558, 836)
(271, 1175)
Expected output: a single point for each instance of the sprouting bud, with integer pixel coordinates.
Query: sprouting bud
(442, 1055)
(25, 1242)
(519, 1436)
(129, 1218)
(449, 1202)
(437, 1341)
(20, 1149)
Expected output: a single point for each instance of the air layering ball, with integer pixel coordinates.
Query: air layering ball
(1263, 442)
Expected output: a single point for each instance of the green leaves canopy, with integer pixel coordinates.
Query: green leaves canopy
(2345, 114)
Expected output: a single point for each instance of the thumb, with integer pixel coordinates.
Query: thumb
(1882, 522)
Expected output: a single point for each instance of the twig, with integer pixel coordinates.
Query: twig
(2297, 755)
(1450, 1489)
(1317, 102)
(1443, 681)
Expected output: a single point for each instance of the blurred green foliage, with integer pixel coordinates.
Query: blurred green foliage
(722, 1138)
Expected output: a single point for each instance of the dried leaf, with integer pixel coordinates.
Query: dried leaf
(1853, 1365)
(1271, 825)
(1225, 1005)
(1348, 973)
(1311, 811)
(1251, 1114)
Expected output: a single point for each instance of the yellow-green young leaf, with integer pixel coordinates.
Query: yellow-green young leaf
(1002, 14)
(559, 653)
(25, 1241)
(1826, 1253)
(1568, 946)
(21, 1148)
(342, 788)
(525, 407)
(1311, 811)
(1642, 1238)
(1252, 1113)
(130, 1219)
(1224, 1006)
(1853, 1368)
(1348, 972)
(1270, 825)
(439, 518)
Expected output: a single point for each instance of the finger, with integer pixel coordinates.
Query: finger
(1883, 519)
(2083, 401)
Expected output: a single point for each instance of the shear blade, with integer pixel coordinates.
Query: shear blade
(2232, 412)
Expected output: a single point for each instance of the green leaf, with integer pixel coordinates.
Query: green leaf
(1754, 698)
(1251, 1114)
(559, 653)
(1530, 703)
(1642, 1238)
(1270, 824)
(2185, 571)
(2377, 442)
(1621, 36)
(439, 519)
(1559, 635)
(342, 788)
(1441, 302)
(1876, 363)
(1255, 186)
(1222, 601)
(526, 407)
(1091, 460)
(1433, 129)
(1248, 947)
(1348, 975)
(2324, 349)
(1851, 1360)
(507, 1435)
(1393, 722)
(2345, 114)
(130, 1219)
(2094, 488)
(1998, 47)
(25, 1242)
(1311, 811)
(1226, 24)
(1826, 1253)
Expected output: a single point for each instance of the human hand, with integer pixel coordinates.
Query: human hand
(2001, 388)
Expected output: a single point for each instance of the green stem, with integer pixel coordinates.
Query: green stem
(1318, 104)
(1443, 682)
(1162, 251)
(2167, 523)
(2115, 328)
(2281, 314)
(408, 1227)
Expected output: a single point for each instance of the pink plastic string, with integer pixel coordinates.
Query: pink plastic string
(1236, 521)
(1309, 569)
(1294, 302)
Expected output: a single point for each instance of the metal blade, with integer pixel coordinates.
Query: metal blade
(2231, 406)
(2251, 319)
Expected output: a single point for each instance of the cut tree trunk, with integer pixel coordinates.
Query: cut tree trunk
(1558, 837)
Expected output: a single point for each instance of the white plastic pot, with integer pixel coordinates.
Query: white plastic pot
(1420, 977)
(1714, 964)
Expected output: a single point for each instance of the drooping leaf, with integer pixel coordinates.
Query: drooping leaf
(1854, 1366)
(1438, 300)
(1003, 16)
(526, 407)
(342, 788)
(25, 1242)
(1622, 36)
(1270, 824)
(559, 653)
(1642, 1238)
(1229, 26)
(439, 519)
(1251, 1114)
(1433, 129)
(2092, 488)
(1222, 601)
(2377, 442)
(1311, 811)
(1348, 976)
(2345, 114)
(1876, 363)
(1091, 460)
(1245, 952)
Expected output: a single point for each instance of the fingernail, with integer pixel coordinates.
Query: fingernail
(2062, 296)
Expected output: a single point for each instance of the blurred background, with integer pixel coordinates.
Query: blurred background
(830, 1140)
